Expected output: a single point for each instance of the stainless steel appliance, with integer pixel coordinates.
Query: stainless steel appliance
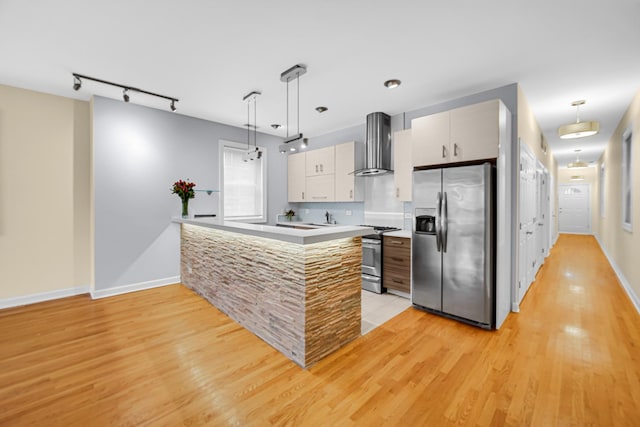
(377, 146)
(453, 265)
(372, 259)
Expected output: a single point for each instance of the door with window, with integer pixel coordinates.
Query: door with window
(574, 208)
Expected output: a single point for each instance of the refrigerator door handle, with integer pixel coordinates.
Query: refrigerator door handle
(438, 228)
(445, 223)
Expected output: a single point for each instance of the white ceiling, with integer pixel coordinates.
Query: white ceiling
(211, 54)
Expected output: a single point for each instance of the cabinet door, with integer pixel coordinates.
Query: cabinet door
(474, 132)
(296, 177)
(345, 179)
(321, 161)
(321, 188)
(430, 135)
(397, 263)
(402, 167)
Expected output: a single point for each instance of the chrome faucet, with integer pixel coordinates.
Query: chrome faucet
(327, 215)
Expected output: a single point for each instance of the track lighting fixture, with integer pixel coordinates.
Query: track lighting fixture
(77, 84)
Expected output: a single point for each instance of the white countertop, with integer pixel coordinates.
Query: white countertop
(400, 233)
(286, 234)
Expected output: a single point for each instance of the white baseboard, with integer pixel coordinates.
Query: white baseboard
(515, 307)
(103, 293)
(623, 280)
(43, 296)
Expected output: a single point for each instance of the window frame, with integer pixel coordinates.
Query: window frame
(248, 219)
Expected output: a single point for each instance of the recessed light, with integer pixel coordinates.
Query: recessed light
(321, 109)
(276, 126)
(392, 84)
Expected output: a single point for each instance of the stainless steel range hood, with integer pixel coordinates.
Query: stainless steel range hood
(377, 146)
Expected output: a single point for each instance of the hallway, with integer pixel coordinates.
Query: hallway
(165, 356)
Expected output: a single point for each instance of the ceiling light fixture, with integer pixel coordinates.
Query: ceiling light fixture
(577, 178)
(321, 109)
(392, 83)
(295, 142)
(77, 84)
(276, 126)
(578, 164)
(578, 129)
(252, 153)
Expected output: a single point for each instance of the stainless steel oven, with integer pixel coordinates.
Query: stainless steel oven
(372, 259)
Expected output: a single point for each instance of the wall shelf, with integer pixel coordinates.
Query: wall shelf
(207, 191)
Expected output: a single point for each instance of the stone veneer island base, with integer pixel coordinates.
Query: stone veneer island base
(300, 295)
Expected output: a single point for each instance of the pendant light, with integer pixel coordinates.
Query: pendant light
(252, 153)
(296, 142)
(578, 129)
(578, 164)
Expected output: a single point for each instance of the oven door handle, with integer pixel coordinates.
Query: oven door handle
(370, 242)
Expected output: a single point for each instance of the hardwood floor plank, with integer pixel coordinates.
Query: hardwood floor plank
(167, 357)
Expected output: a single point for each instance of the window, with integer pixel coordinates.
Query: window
(244, 183)
(627, 180)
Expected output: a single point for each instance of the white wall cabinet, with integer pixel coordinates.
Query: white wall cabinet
(321, 188)
(296, 177)
(402, 165)
(460, 135)
(348, 188)
(321, 161)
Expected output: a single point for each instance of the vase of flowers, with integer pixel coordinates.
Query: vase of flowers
(290, 214)
(184, 190)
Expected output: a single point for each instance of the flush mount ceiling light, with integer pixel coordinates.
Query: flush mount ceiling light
(578, 164)
(392, 83)
(578, 129)
(321, 109)
(296, 142)
(577, 178)
(77, 84)
(252, 153)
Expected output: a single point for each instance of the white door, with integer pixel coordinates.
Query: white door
(574, 208)
(527, 259)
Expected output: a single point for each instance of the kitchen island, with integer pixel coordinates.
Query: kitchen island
(298, 290)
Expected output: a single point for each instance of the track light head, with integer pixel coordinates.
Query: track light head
(77, 83)
(173, 105)
(125, 95)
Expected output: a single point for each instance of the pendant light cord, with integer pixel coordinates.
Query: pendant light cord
(287, 108)
(298, 113)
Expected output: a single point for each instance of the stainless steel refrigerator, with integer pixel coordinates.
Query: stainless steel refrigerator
(453, 266)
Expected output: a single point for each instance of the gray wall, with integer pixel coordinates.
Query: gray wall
(138, 153)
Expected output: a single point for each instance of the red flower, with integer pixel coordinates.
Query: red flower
(184, 189)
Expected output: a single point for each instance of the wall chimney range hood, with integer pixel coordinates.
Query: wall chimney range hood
(377, 146)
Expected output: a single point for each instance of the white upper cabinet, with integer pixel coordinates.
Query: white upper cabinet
(296, 177)
(430, 135)
(460, 135)
(347, 186)
(402, 166)
(321, 161)
(321, 188)
(475, 131)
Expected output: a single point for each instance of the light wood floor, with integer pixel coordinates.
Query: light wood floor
(166, 357)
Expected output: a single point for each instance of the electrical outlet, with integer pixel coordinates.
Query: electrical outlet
(306, 211)
(407, 215)
(348, 213)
